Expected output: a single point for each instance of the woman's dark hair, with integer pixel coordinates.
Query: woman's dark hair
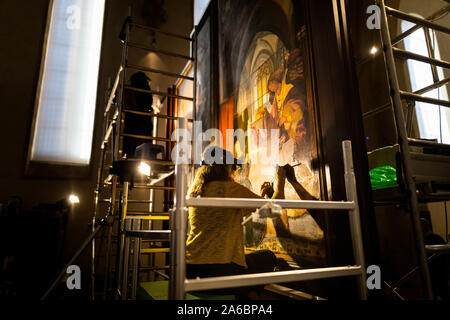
(208, 173)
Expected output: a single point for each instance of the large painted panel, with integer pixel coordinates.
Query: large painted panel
(264, 71)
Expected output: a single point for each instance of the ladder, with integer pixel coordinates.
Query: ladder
(179, 285)
(118, 182)
(397, 95)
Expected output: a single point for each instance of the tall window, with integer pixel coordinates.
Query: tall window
(200, 7)
(66, 97)
(433, 120)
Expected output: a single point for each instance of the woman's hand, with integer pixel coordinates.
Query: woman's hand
(267, 189)
(290, 173)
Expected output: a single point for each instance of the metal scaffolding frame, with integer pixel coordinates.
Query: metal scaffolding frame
(179, 285)
(129, 233)
(397, 95)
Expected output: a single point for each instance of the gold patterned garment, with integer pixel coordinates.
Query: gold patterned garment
(216, 234)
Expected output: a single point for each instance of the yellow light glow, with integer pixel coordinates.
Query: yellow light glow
(144, 168)
(74, 199)
(374, 50)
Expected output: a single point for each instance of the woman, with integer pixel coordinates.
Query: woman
(215, 245)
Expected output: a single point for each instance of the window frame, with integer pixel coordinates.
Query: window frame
(411, 75)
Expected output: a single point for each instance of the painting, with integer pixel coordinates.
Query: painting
(265, 81)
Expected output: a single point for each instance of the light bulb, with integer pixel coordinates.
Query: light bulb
(74, 199)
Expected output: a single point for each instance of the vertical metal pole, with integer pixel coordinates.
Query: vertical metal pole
(94, 218)
(404, 151)
(112, 212)
(354, 217)
(136, 253)
(178, 226)
(126, 259)
(194, 102)
(121, 87)
(121, 237)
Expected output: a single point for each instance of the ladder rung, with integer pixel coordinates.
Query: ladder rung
(410, 55)
(155, 250)
(160, 93)
(129, 201)
(416, 97)
(411, 30)
(433, 86)
(152, 187)
(416, 20)
(425, 143)
(163, 235)
(175, 35)
(137, 136)
(134, 217)
(270, 277)
(154, 268)
(257, 203)
(147, 213)
(150, 114)
(442, 248)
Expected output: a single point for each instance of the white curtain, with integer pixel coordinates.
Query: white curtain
(67, 94)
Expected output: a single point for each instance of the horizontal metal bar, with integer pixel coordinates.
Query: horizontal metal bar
(408, 17)
(155, 250)
(150, 187)
(433, 86)
(160, 93)
(410, 55)
(411, 30)
(154, 268)
(149, 234)
(431, 144)
(270, 277)
(171, 34)
(416, 97)
(135, 217)
(150, 114)
(129, 201)
(167, 53)
(166, 73)
(146, 213)
(137, 136)
(153, 187)
(257, 203)
(441, 248)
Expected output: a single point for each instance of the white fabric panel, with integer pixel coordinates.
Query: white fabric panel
(67, 97)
